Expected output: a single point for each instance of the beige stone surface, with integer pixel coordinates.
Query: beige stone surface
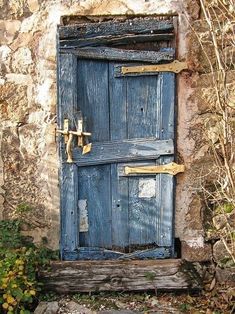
(226, 276)
(22, 61)
(33, 5)
(195, 253)
(8, 30)
(220, 253)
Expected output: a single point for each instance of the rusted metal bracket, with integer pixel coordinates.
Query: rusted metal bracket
(65, 131)
(171, 168)
(82, 138)
(175, 67)
(68, 139)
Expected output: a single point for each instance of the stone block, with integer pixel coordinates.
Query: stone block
(33, 5)
(196, 253)
(118, 312)
(47, 47)
(22, 40)
(220, 253)
(16, 8)
(226, 276)
(29, 140)
(194, 214)
(5, 56)
(22, 61)
(219, 221)
(47, 308)
(8, 30)
(14, 102)
(74, 307)
(19, 79)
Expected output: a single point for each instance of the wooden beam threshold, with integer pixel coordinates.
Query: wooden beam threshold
(113, 275)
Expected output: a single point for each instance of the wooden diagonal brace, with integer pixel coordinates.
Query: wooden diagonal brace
(171, 168)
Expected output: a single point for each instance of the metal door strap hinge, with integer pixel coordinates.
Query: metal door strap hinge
(68, 139)
(175, 66)
(171, 168)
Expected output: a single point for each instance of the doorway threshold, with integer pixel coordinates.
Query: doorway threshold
(126, 275)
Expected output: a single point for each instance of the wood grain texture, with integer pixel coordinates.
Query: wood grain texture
(119, 188)
(94, 182)
(165, 183)
(104, 53)
(114, 40)
(116, 28)
(94, 187)
(88, 276)
(119, 151)
(98, 253)
(131, 120)
(67, 109)
(93, 98)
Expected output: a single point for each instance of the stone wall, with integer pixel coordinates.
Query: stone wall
(28, 159)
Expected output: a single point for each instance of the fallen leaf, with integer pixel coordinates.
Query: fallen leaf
(212, 285)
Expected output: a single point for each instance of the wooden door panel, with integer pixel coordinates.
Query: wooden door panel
(142, 212)
(93, 98)
(94, 182)
(166, 106)
(142, 94)
(124, 213)
(165, 206)
(118, 105)
(107, 214)
(94, 189)
(120, 211)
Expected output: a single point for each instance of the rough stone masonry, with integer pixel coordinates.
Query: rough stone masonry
(28, 153)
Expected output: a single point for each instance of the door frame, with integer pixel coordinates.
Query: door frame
(70, 45)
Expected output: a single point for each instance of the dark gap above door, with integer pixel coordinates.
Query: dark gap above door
(146, 33)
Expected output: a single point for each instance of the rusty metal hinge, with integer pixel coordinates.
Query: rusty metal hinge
(175, 66)
(171, 168)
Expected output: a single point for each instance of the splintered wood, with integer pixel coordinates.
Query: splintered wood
(86, 276)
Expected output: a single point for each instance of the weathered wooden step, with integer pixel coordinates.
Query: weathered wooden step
(131, 275)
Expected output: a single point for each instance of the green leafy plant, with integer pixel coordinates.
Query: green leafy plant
(10, 236)
(24, 208)
(150, 276)
(19, 264)
(226, 208)
(184, 307)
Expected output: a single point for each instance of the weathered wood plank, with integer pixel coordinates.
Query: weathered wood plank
(97, 253)
(118, 131)
(155, 253)
(104, 53)
(164, 182)
(94, 182)
(141, 108)
(67, 109)
(87, 276)
(115, 28)
(125, 150)
(114, 40)
(94, 189)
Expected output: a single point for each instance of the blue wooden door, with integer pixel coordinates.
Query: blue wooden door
(107, 213)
